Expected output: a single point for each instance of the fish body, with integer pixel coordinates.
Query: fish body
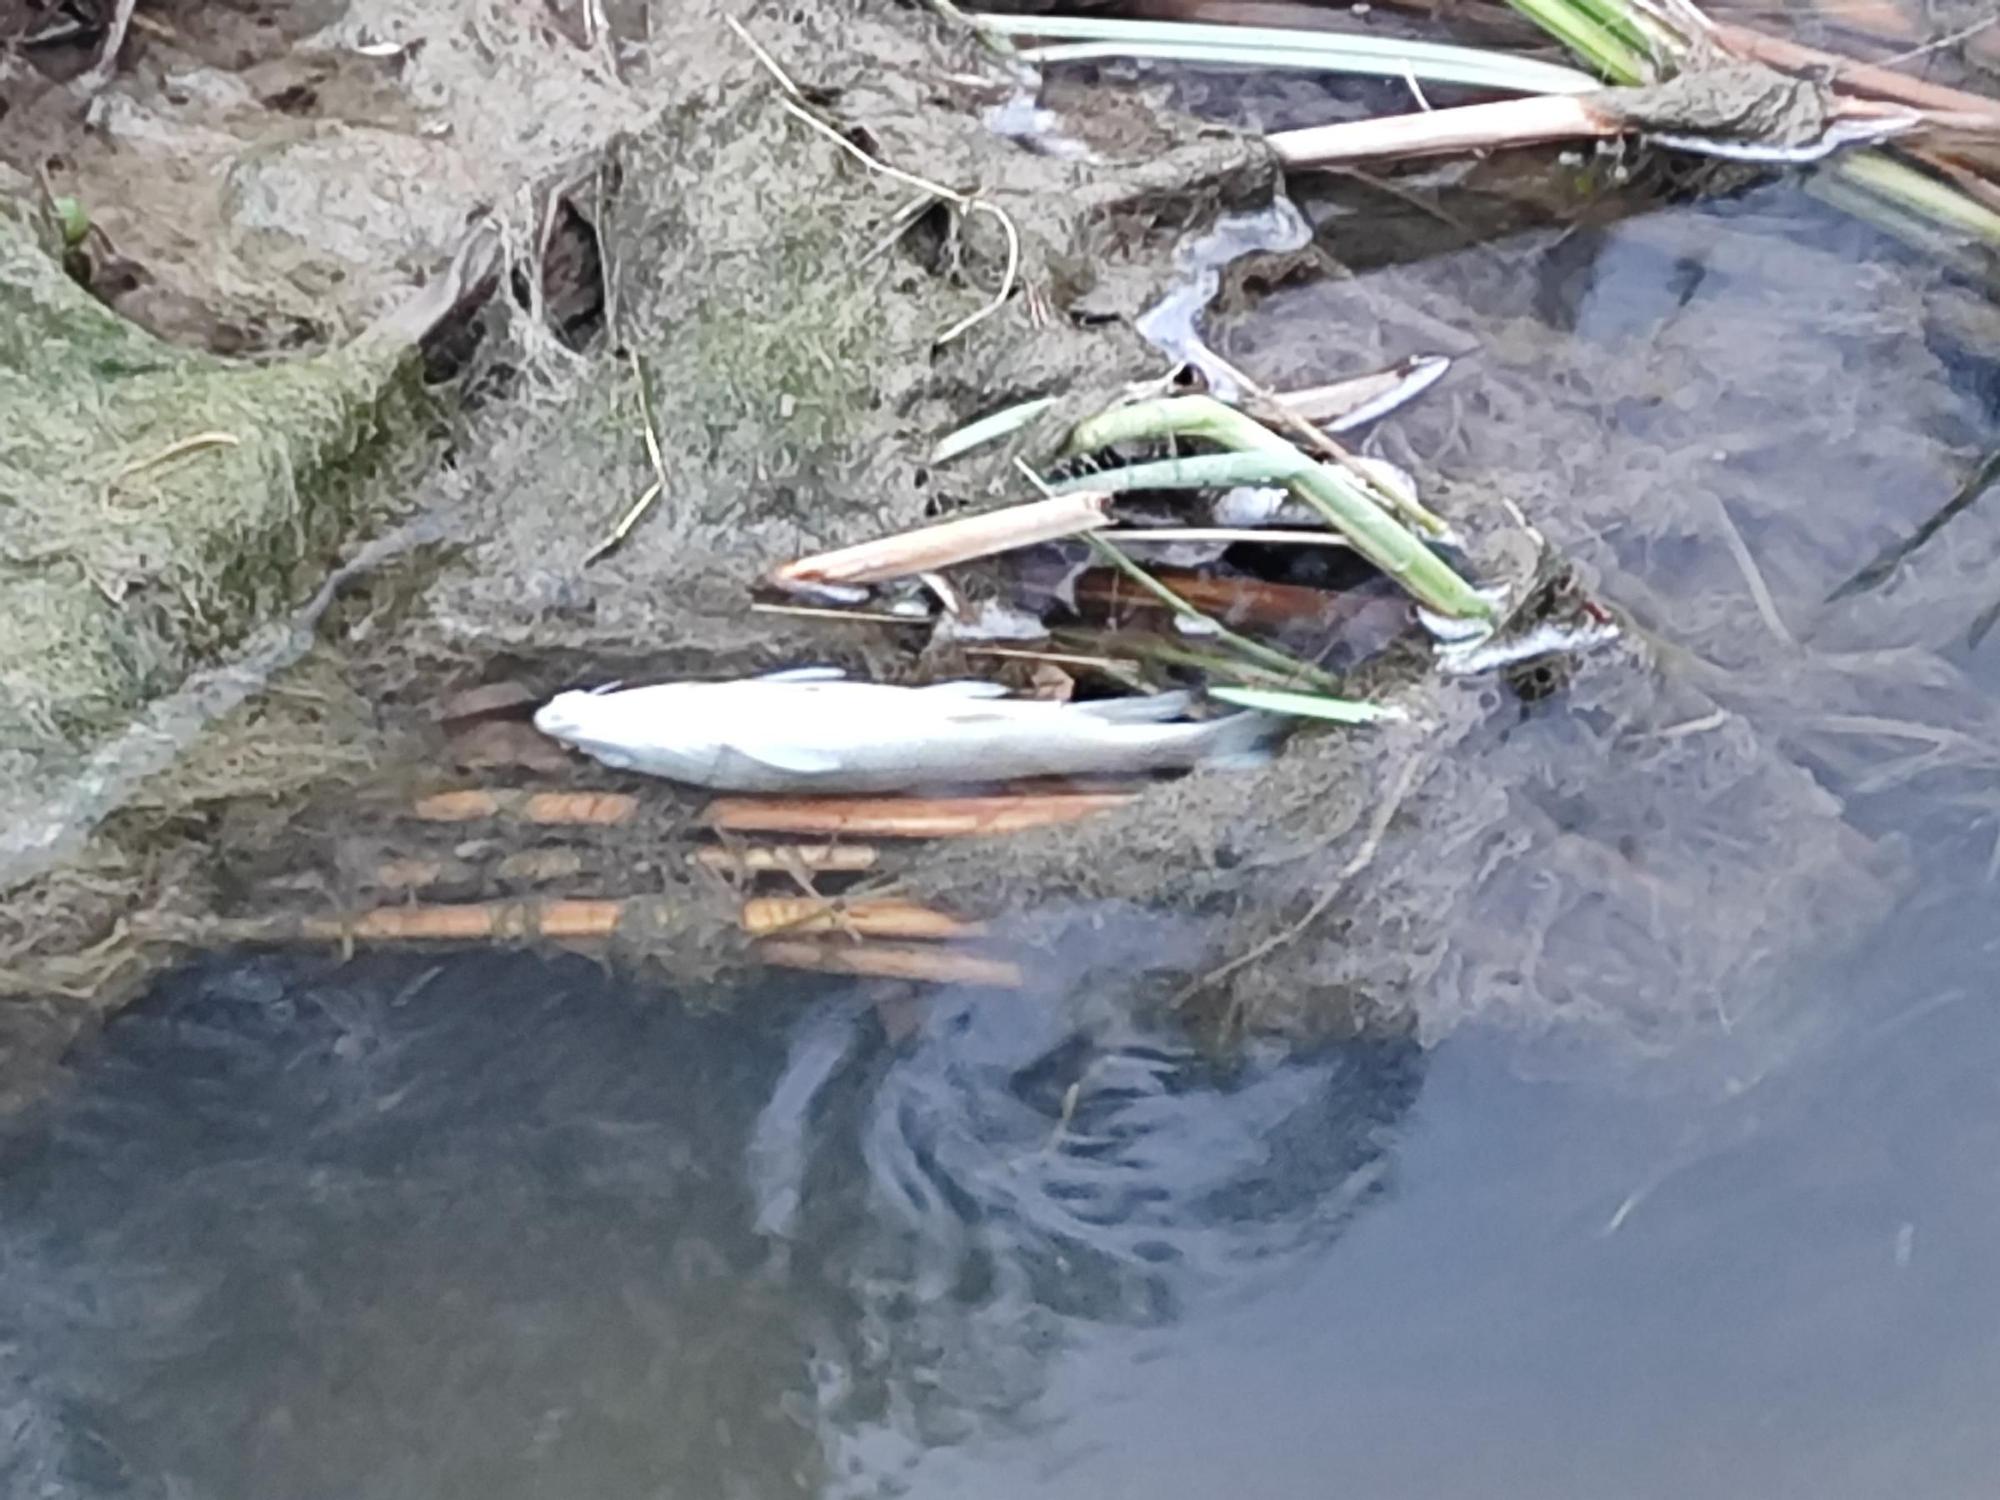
(813, 731)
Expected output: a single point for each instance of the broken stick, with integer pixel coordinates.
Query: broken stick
(966, 539)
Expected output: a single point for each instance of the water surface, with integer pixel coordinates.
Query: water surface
(499, 1225)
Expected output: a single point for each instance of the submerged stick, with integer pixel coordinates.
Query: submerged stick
(1376, 534)
(1268, 657)
(885, 916)
(436, 922)
(949, 543)
(471, 805)
(1253, 601)
(784, 859)
(931, 965)
(909, 817)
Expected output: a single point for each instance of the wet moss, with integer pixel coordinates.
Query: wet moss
(156, 504)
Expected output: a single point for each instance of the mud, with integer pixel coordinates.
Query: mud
(161, 504)
(796, 384)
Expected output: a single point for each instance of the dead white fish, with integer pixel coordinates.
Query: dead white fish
(813, 731)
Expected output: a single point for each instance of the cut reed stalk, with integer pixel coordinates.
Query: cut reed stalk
(909, 817)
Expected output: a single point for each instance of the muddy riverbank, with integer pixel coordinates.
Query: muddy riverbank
(784, 318)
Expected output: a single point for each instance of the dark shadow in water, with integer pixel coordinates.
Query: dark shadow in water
(492, 1225)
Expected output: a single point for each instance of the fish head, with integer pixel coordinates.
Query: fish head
(654, 729)
(568, 717)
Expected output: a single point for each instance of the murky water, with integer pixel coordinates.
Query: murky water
(499, 1226)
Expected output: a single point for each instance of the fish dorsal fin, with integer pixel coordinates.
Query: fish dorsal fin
(1155, 709)
(804, 674)
(966, 689)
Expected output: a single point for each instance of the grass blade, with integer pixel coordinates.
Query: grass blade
(1309, 705)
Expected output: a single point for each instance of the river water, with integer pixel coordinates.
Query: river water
(503, 1225)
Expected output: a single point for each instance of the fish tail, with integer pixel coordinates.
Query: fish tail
(1242, 741)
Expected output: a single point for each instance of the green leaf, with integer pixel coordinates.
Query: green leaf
(73, 219)
(1308, 705)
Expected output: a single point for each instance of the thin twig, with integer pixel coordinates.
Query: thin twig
(794, 104)
(196, 444)
(1378, 827)
(625, 524)
(652, 491)
(646, 419)
(1753, 577)
(1949, 39)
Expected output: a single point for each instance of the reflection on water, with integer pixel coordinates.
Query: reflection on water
(498, 1226)
(501, 1227)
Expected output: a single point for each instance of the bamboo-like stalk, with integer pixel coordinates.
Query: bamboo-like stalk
(948, 543)
(1376, 534)
(908, 817)
(1851, 75)
(435, 922)
(1471, 127)
(884, 916)
(1912, 191)
(784, 859)
(1605, 49)
(882, 960)
(1196, 471)
(1870, 184)
(473, 804)
(1081, 38)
